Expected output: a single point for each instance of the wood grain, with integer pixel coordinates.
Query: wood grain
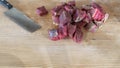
(21, 49)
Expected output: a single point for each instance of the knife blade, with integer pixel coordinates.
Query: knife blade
(19, 18)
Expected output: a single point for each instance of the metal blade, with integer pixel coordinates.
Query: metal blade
(22, 20)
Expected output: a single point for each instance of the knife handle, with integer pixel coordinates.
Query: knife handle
(6, 4)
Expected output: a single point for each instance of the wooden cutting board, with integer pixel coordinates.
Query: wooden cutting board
(19, 48)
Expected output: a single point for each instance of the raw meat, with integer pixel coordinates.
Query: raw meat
(70, 20)
(57, 10)
(64, 18)
(53, 35)
(42, 11)
(71, 30)
(62, 31)
(69, 9)
(79, 15)
(78, 35)
(55, 20)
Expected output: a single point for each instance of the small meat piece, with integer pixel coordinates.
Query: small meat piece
(99, 23)
(78, 35)
(91, 27)
(98, 15)
(57, 10)
(53, 35)
(79, 15)
(81, 24)
(88, 18)
(64, 18)
(97, 12)
(62, 31)
(72, 3)
(71, 30)
(42, 11)
(56, 14)
(69, 9)
(55, 20)
(57, 34)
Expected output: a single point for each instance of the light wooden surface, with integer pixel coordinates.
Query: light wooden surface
(22, 49)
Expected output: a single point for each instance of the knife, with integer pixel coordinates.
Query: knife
(19, 18)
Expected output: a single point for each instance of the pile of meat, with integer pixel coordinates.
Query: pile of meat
(70, 20)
